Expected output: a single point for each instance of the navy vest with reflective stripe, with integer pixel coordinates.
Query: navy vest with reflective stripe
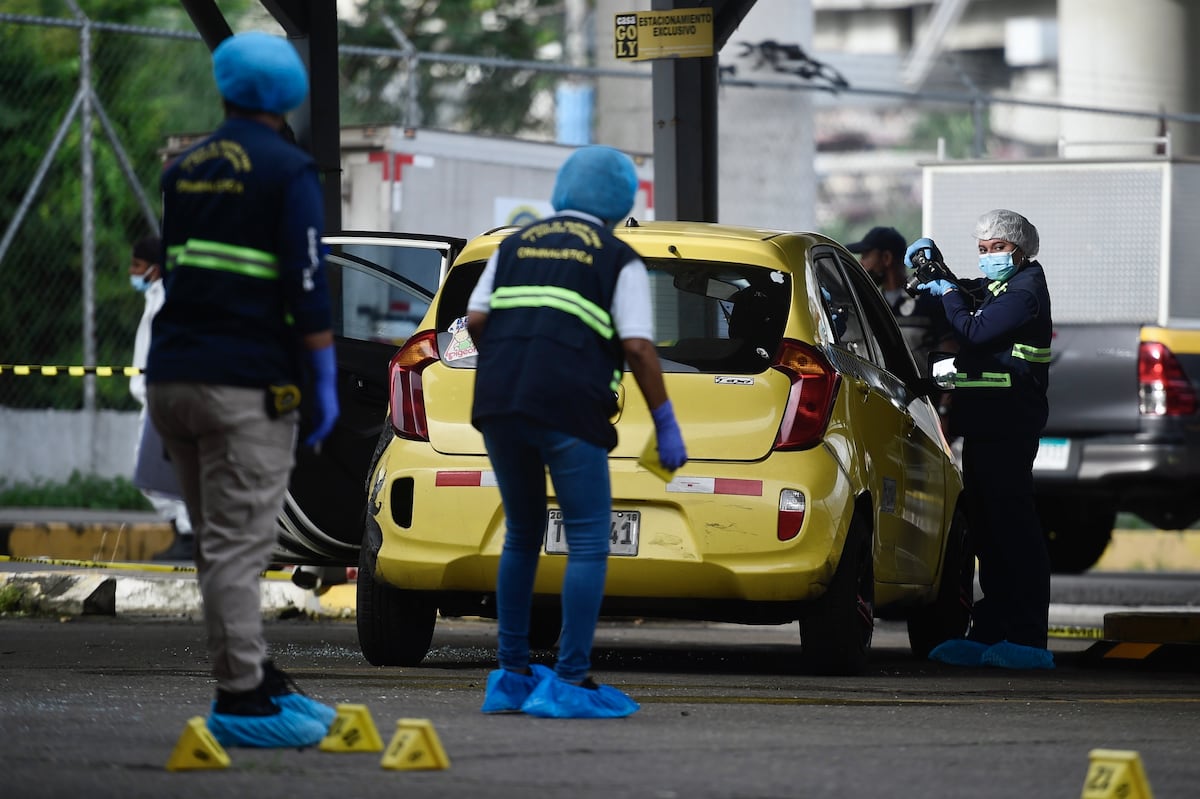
(225, 319)
(1000, 388)
(549, 350)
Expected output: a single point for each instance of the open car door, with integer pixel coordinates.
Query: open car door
(380, 286)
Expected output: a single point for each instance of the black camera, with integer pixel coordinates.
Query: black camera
(927, 267)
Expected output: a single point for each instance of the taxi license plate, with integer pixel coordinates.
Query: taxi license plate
(624, 532)
(1053, 455)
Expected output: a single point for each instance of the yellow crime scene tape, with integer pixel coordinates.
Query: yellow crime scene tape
(27, 370)
(270, 574)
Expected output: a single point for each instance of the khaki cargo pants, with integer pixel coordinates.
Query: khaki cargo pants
(233, 463)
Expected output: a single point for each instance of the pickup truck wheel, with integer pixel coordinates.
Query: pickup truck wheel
(949, 615)
(837, 627)
(1077, 532)
(395, 627)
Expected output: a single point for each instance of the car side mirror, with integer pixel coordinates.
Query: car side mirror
(942, 370)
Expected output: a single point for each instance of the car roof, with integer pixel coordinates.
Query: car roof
(776, 248)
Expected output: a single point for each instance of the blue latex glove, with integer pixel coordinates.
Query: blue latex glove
(937, 288)
(325, 400)
(933, 253)
(671, 452)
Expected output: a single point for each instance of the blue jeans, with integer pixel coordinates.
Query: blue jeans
(521, 450)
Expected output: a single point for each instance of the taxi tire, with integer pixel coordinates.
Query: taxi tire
(836, 628)
(395, 627)
(949, 615)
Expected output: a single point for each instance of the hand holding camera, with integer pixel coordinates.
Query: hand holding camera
(927, 271)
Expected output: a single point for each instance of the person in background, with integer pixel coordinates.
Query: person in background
(247, 307)
(559, 308)
(145, 275)
(1000, 377)
(921, 318)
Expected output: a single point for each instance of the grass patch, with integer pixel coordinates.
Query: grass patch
(10, 598)
(78, 491)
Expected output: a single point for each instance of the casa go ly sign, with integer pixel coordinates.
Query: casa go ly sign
(646, 35)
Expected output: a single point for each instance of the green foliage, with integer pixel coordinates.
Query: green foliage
(147, 88)
(488, 99)
(10, 598)
(79, 491)
(957, 128)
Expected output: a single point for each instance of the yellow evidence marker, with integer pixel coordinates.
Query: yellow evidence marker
(415, 746)
(1115, 774)
(197, 749)
(353, 730)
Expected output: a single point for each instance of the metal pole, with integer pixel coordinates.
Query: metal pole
(89, 221)
(412, 107)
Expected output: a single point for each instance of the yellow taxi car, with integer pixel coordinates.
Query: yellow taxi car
(819, 487)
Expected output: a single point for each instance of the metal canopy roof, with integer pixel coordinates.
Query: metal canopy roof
(685, 102)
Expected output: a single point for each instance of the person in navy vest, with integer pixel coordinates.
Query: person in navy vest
(1003, 328)
(560, 307)
(246, 307)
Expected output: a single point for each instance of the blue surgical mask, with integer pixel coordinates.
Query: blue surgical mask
(997, 265)
(139, 283)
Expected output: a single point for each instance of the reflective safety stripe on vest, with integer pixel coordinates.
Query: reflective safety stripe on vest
(615, 385)
(983, 380)
(1031, 354)
(204, 254)
(562, 299)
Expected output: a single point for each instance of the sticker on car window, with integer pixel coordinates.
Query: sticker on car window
(460, 346)
(777, 277)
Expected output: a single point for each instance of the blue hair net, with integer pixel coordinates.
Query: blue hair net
(597, 180)
(260, 72)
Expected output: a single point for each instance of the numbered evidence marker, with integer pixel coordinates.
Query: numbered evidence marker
(197, 749)
(1115, 774)
(415, 746)
(353, 730)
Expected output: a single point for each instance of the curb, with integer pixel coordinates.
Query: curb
(177, 595)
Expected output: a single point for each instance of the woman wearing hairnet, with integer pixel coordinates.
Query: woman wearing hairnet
(559, 308)
(1002, 324)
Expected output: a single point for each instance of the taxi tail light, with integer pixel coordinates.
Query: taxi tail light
(1163, 386)
(791, 514)
(407, 392)
(810, 400)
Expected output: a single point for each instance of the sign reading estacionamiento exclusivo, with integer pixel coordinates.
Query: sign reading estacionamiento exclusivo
(646, 35)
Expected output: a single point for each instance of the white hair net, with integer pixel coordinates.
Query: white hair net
(1011, 227)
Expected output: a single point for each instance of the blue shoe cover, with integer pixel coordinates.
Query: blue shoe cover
(959, 652)
(555, 699)
(287, 729)
(508, 690)
(306, 706)
(1008, 655)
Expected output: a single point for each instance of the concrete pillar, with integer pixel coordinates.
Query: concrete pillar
(1114, 53)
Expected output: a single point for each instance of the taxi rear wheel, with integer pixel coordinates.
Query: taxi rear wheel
(950, 613)
(836, 629)
(395, 627)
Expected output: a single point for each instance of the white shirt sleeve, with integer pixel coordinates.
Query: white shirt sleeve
(155, 296)
(631, 312)
(481, 297)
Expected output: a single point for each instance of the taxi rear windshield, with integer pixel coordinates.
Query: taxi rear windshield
(708, 316)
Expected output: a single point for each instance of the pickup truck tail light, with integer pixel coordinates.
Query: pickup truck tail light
(1163, 387)
(408, 394)
(810, 399)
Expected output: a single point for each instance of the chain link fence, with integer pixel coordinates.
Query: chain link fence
(86, 107)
